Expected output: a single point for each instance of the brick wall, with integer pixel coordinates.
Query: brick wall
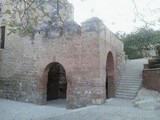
(151, 79)
(24, 65)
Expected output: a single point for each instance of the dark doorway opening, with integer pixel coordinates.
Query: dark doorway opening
(110, 87)
(57, 83)
(2, 37)
(106, 87)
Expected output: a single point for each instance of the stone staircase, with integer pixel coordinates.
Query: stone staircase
(131, 79)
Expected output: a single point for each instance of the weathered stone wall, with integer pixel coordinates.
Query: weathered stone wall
(19, 67)
(25, 64)
(111, 44)
(151, 79)
(84, 59)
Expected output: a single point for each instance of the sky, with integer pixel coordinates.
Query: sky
(118, 15)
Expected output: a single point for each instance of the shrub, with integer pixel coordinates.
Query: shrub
(158, 50)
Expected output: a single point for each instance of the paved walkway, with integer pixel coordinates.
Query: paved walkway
(113, 109)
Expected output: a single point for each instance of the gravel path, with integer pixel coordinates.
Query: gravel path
(113, 109)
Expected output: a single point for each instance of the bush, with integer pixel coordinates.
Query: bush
(158, 50)
(132, 53)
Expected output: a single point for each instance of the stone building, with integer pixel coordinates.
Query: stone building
(84, 69)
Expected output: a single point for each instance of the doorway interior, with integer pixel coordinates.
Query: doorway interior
(57, 83)
(110, 88)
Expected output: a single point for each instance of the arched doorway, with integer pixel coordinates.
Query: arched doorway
(110, 88)
(57, 83)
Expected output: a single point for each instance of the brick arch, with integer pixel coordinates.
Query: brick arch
(54, 78)
(110, 86)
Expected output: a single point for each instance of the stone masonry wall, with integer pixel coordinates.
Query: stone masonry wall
(109, 43)
(151, 79)
(24, 65)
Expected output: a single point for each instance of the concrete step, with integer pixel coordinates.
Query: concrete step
(132, 71)
(127, 91)
(124, 96)
(135, 70)
(128, 86)
(129, 83)
(131, 67)
(128, 75)
(130, 80)
(131, 76)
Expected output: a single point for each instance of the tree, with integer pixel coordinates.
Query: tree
(120, 35)
(158, 50)
(136, 44)
(27, 17)
(143, 16)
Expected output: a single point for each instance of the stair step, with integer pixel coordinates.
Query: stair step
(126, 91)
(131, 67)
(130, 77)
(132, 70)
(131, 74)
(124, 96)
(129, 83)
(126, 86)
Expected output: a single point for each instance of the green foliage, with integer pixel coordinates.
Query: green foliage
(139, 42)
(132, 53)
(7, 11)
(154, 63)
(158, 50)
(26, 16)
